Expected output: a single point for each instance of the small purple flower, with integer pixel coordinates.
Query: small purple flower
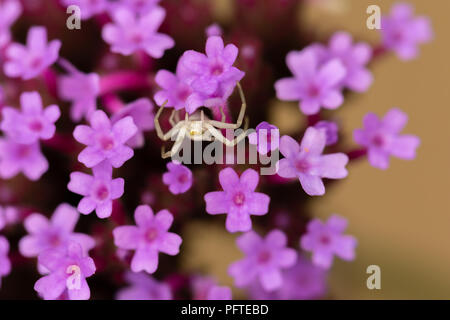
(214, 30)
(141, 111)
(306, 162)
(148, 238)
(55, 233)
(402, 32)
(10, 10)
(178, 178)
(315, 85)
(31, 60)
(105, 141)
(88, 8)
(130, 33)
(81, 89)
(137, 6)
(144, 287)
(266, 137)
(212, 75)
(25, 158)
(5, 264)
(8, 216)
(68, 269)
(303, 281)
(219, 293)
(98, 190)
(325, 240)
(265, 258)
(239, 199)
(331, 131)
(382, 138)
(206, 288)
(33, 123)
(176, 92)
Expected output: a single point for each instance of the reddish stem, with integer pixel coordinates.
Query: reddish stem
(62, 143)
(112, 102)
(357, 154)
(123, 80)
(49, 77)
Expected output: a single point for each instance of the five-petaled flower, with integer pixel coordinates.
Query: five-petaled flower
(266, 137)
(68, 269)
(31, 60)
(105, 141)
(325, 240)
(178, 178)
(149, 237)
(130, 32)
(306, 162)
(98, 190)
(238, 199)
(265, 258)
(382, 138)
(33, 123)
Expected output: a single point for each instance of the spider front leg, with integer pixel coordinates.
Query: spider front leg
(219, 136)
(176, 146)
(158, 129)
(172, 115)
(222, 124)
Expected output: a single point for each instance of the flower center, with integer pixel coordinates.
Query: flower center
(216, 69)
(102, 193)
(378, 140)
(302, 165)
(182, 178)
(35, 126)
(36, 63)
(106, 143)
(137, 38)
(74, 279)
(23, 151)
(183, 94)
(313, 91)
(264, 257)
(325, 240)
(151, 234)
(239, 199)
(54, 240)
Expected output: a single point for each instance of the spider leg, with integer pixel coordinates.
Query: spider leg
(176, 146)
(171, 121)
(158, 129)
(219, 136)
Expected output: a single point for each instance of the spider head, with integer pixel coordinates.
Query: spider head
(195, 128)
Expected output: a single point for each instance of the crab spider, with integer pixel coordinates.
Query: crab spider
(200, 128)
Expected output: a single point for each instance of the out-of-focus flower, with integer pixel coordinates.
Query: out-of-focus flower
(105, 141)
(304, 281)
(68, 270)
(265, 258)
(10, 10)
(5, 263)
(56, 233)
(266, 137)
(26, 158)
(8, 216)
(137, 6)
(239, 199)
(98, 190)
(313, 84)
(149, 237)
(213, 30)
(88, 8)
(33, 123)
(212, 75)
(141, 111)
(81, 89)
(354, 57)
(31, 60)
(219, 293)
(144, 287)
(325, 240)
(382, 138)
(402, 32)
(178, 178)
(130, 33)
(306, 162)
(331, 131)
(206, 288)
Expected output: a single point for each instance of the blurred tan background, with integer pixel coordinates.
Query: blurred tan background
(401, 216)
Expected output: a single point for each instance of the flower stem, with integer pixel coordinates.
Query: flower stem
(124, 80)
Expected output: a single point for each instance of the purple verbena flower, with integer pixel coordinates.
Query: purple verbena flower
(265, 258)
(68, 269)
(331, 131)
(10, 10)
(81, 89)
(239, 199)
(149, 237)
(141, 111)
(31, 60)
(178, 178)
(314, 85)
(26, 158)
(325, 240)
(402, 32)
(130, 33)
(33, 122)
(55, 233)
(303, 281)
(306, 162)
(105, 141)
(98, 190)
(266, 137)
(88, 8)
(382, 138)
(5, 263)
(144, 287)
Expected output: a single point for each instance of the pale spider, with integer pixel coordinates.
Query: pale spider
(199, 128)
